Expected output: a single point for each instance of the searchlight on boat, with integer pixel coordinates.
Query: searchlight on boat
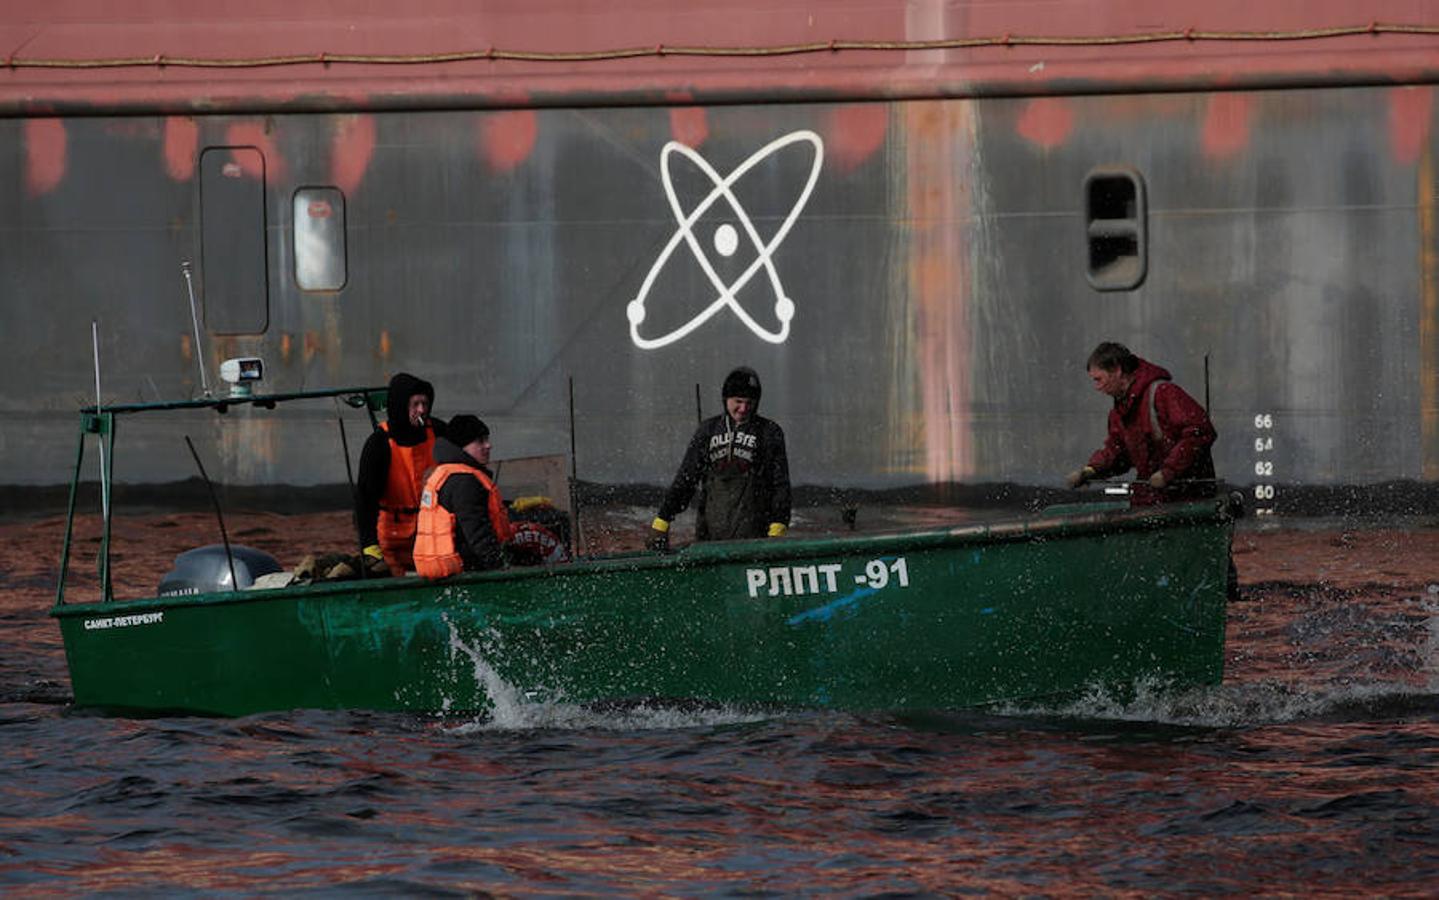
(241, 372)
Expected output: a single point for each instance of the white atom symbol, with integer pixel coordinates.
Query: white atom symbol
(726, 242)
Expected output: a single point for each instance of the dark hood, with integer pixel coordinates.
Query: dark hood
(447, 452)
(397, 406)
(1144, 376)
(742, 382)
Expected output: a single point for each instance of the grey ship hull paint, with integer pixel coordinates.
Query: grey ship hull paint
(937, 270)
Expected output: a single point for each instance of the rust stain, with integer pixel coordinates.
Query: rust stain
(352, 146)
(939, 136)
(1226, 124)
(249, 448)
(257, 135)
(384, 344)
(507, 138)
(689, 125)
(182, 143)
(286, 346)
(45, 155)
(313, 346)
(333, 337)
(1046, 122)
(1428, 317)
(854, 133)
(187, 349)
(1411, 110)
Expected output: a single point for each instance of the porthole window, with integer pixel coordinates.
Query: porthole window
(319, 226)
(1115, 220)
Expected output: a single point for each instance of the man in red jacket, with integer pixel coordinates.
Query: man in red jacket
(1155, 428)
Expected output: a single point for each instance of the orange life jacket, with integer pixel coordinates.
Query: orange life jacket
(400, 504)
(435, 552)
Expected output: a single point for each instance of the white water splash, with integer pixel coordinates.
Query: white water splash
(506, 700)
(572, 717)
(1226, 706)
(512, 709)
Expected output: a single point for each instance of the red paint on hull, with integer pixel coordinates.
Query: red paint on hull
(853, 134)
(352, 146)
(689, 125)
(508, 138)
(45, 155)
(1411, 114)
(255, 134)
(1226, 125)
(1046, 122)
(182, 143)
(423, 30)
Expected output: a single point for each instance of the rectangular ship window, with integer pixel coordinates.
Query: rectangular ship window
(319, 222)
(234, 270)
(1115, 219)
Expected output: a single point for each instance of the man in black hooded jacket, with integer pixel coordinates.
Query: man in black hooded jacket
(393, 464)
(740, 458)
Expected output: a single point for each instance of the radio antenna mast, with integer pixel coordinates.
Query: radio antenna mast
(195, 323)
(100, 418)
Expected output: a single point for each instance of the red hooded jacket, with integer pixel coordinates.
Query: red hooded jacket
(1179, 445)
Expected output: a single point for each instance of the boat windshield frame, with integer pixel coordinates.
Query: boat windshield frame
(100, 420)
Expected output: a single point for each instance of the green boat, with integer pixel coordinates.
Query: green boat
(1029, 609)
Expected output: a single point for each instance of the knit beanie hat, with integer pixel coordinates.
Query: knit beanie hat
(466, 428)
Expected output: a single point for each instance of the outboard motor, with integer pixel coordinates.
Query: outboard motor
(205, 570)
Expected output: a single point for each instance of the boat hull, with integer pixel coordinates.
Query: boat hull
(1024, 610)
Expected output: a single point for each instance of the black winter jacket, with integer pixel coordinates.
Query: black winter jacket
(469, 502)
(374, 471)
(751, 461)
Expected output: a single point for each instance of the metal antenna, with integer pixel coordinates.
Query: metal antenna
(215, 501)
(100, 419)
(574, 476)
(1206, 382)
(195, 322)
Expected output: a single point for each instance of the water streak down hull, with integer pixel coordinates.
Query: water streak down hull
(1029, 609)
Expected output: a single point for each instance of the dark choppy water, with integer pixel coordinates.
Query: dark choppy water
(1315, 768)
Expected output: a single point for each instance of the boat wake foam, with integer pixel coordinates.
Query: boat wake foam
(513, 709)
(1237, 705)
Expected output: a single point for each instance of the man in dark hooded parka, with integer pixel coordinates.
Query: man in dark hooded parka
(393, 465)
(738, 462)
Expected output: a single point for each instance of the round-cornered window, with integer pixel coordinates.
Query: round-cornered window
(1115, 216)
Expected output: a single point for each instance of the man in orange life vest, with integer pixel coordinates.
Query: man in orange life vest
(393, 464)
(463, 524)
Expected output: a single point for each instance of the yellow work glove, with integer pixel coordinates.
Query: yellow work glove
(777, 529)
(374, 560)
(1079, 477)
(659, 539)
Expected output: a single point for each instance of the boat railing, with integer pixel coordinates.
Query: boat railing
(100, 420)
